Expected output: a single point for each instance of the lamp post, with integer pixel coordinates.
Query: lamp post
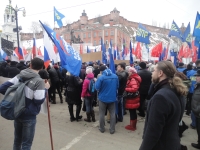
(16, 9)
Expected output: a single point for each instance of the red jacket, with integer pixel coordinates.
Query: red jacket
(133, 85)
(86, 85)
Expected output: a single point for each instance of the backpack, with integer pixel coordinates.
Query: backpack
(91, 88)
(13, 103)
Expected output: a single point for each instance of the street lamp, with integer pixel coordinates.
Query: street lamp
(16, 9)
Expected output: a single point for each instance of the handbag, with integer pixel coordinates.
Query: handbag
(130, 94)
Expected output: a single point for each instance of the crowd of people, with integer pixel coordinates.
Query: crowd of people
(159, 91)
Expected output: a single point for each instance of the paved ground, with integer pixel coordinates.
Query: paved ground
(82, 135)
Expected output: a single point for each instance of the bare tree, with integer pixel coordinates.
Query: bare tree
(35, 27)
(98, 18)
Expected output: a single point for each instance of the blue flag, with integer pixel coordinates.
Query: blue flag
(174, 56)
(143, 35)
(118, 56)
(88, 50)
(58, 17)
(187, 36)
(70, 59)
(162, 55)
(112, 64)
(175, 31)
(196, 32)
(103, 49)
(115, 54)
(131, 55)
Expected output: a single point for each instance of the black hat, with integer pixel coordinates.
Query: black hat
(102, 68)
(198, 73)
(181, 64)
(143, 65)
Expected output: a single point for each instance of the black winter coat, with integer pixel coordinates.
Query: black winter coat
(196, 101)
(122, 76)
(3, 69)
(43, 74)
(164, 113)
(73, 90)
(21, 66)
(53, 75)
(12, 71)
(146, 81)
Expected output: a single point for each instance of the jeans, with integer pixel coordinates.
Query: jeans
(120, 108)
(102, 110)
(88, 104)
(24, 134)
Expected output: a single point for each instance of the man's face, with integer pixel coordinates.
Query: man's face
(198, 79)
(155, 75)
(119, 68)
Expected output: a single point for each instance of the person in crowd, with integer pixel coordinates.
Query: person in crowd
(122, 76)
(144, 86)
(132, 104)
(12, 70)
(73, 95)
(181, 67)
(21, 65)
(43, 73)
(24, 126)
(196, 108)
(107, 85)
(187, 82)
(96, 71)
(188, 68)
(165, 109)
(86, 96)
(3, 68)
(55, 85)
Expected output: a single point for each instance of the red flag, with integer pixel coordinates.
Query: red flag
(81, 49)
(194, 52)
(138, 51)
(157, 50)
(187, 52)
(166, 52)
(180, 54)
(39, 52)
(133, 51)
(25, 51)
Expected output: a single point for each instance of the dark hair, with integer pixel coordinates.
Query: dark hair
(197, 62)
(37, 63)
(189, 66)
(122, 65)
(175, 82)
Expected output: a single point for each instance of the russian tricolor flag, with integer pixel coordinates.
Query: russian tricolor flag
(46, 58)
(19, 53)
(34, 49)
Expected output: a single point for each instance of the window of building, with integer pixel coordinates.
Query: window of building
(94, 34)
(94, 43)
(84, 35)
(106, 33)
(100, 33)
(106, 42)
(89, 35)
(112, 33)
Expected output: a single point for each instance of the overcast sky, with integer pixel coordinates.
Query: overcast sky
(144, 11)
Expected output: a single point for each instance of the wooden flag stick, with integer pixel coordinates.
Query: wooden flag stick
(49, 120)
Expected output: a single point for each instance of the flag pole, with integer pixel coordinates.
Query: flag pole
(49, 120)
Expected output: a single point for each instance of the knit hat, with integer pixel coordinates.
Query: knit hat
(133, 70)
(102, 68)
(143, 65)
(89, 69)
(181, 64)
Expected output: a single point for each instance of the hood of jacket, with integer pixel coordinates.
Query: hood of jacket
(136, 77)
(27, 74)
(107, 72)
(90, 76)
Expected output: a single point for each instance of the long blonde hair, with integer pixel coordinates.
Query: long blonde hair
(175, 82)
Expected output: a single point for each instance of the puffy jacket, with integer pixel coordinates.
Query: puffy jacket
(53, 75)
(21, 66)
(132, 86)
(122, 76)
(86, 83)
(190, 75)
(12, 71)
(107, 85)
(196, 101)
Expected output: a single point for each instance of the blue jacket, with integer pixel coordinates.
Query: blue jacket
(107, 85)
(190, 75)
(181, 69)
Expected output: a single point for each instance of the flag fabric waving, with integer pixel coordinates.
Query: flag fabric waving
(112, 64)
(70, 59)
(34, 49)
(138, 50)
(143, 35)
(157, 50)
(58, 17)
(46, 58)
(175, 31)
(187, 36)
(103, 49)
(131, 54)
(196, 31)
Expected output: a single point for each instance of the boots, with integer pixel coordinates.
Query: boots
(93, 116)
(132, 125)
(72, 118)
(53, 100)
(88, 117)
(78, 109)
(182, 128)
